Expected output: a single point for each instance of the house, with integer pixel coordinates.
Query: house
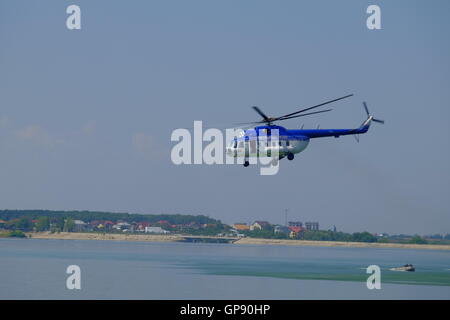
(123, 226)
(281, 229)
(108, 224)
(157, 230)
(295, 224)
(295, 231)
(193, 225)
(96, 224)
(80, 225)
(312, 226)
(260, 225)
(241, 227)
(142, 225)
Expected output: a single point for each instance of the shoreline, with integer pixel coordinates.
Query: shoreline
(241, 241)
(104, 236)
(313, 243)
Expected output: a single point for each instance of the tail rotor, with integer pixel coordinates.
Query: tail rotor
(371, 117)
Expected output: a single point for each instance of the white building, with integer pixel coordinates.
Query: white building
(158, 230)
(124, 226)
(80, 225)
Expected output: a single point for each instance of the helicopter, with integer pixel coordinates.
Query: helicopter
(289, 141)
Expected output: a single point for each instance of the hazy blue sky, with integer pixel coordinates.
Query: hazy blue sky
(86, 116)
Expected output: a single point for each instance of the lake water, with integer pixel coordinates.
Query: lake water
(36, 269)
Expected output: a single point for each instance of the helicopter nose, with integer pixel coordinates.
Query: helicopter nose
(230, 151)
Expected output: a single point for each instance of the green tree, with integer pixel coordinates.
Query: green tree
(69, 225)
(17, 234)
(23, 224)
(363, 237)
(43, 224)
(57, 224)
(418, 240)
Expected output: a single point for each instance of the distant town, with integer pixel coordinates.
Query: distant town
(17, 223)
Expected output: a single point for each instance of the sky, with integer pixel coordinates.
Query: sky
(86, 115)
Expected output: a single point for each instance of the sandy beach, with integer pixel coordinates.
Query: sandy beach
(340, 244)
(104, 236)
(242, 241)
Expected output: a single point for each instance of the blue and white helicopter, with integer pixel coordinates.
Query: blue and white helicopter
(289, 141)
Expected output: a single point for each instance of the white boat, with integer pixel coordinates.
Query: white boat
(406, 267)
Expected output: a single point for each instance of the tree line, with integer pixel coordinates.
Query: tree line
(64, 220)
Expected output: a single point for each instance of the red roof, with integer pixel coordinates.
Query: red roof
(144, 224)
(296, 229)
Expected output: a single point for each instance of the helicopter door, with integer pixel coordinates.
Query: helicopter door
(240, 150)
(247, 148)
(253, 147)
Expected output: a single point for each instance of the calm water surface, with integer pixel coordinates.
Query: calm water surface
(36, 269)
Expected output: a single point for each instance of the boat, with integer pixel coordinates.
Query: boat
(406, 267)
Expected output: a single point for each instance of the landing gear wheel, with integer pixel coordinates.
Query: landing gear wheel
(246, 163)
(290, 156)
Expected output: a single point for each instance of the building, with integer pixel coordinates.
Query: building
(157, 230)
(142, 225)
(80, 225)
(312, 226)
(163, 222)
(123, 226)
(241, 227)
(295, 231)
(281, 229)
(295, 224)
(260, 225)
(108, 225)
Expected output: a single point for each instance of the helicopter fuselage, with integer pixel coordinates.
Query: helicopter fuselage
(278, 142)
(262, 140)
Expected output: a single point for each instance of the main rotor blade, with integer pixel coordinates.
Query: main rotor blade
(295, 116)
(316, 106)
(305, 114)
(367, 109)
(260, 113)
(248, 123)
